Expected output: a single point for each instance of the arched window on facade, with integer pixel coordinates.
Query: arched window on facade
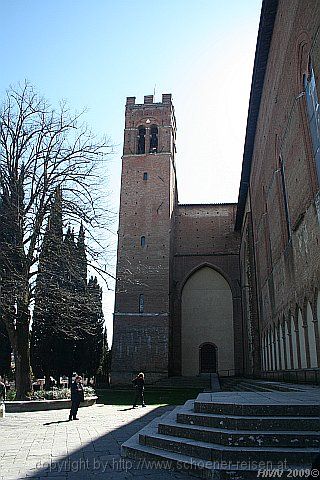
(282, 345)
(313, 113)
(272, 359)
(294, 343)
(153, 139)
(278, 346)
(311, 338)
(288, 348)
(268, 350)
(141, 140)
(263, 353)
(302, 342)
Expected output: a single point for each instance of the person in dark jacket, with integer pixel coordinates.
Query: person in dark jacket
(77, 396)
(138, 382)
(2, 391)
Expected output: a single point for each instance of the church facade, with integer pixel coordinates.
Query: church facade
(227, 288)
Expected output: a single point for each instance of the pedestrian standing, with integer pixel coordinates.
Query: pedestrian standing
(77, 396)
(138, 382)
(2, 391)
(2, 398)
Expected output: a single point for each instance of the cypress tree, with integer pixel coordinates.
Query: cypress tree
(48, 295)
(67, 331)
(90, 348)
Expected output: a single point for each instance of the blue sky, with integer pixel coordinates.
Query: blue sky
(96, 53)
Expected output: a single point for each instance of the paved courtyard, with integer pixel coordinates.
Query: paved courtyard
(41, 445)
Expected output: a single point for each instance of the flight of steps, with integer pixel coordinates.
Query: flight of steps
(234, 384)
(228, 434)
(200, 382)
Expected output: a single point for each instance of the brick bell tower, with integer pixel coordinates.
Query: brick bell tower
(148, 196)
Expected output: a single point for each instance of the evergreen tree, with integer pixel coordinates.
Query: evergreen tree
(67, 331)
(89, 350)
(103, 376)
(48, 295)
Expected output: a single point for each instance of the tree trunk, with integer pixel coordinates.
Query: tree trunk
(22, 352)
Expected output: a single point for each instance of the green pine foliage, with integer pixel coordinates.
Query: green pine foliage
(67, 329)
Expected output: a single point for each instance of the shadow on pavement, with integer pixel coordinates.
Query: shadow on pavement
(58, 421)
(100, 458)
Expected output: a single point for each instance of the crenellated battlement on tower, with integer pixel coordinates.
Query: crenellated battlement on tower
(149, 99)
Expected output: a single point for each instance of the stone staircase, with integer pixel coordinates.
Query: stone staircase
(200, 382)
(234, 384)
(233, 434)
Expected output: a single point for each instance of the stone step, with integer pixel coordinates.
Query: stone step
(237, 438)
(221, 453)
(255, 387)
(247, 404)
(239, 422)
(183, 382)
(246, 383)
(155, 459)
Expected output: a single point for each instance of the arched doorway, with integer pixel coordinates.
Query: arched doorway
(207, 318)
(208, 358)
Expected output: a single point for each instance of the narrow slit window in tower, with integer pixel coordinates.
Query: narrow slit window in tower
(145, 176)
(143, 241)
(153, 139)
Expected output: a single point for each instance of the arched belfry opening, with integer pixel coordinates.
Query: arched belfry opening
(141, 148)
(153, 139)
(207, 334)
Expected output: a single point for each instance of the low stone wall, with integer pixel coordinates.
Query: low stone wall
(40, 405)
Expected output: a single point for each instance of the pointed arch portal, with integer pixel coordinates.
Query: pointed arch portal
(207, 335)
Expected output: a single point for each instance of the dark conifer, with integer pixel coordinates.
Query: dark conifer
(67, 332)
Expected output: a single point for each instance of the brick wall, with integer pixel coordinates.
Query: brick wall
(204, 235)
(286, 247)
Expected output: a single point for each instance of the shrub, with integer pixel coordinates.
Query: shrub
(59, 394)
(54, 394)
(11, 394)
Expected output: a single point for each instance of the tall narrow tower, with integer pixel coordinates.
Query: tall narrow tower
(148, 195)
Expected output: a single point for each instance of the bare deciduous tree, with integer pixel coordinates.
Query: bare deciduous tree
(41, 149)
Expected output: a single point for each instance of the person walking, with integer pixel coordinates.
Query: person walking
(138, 382)
(77, 396)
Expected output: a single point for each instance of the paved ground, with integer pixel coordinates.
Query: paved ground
(41, 445)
